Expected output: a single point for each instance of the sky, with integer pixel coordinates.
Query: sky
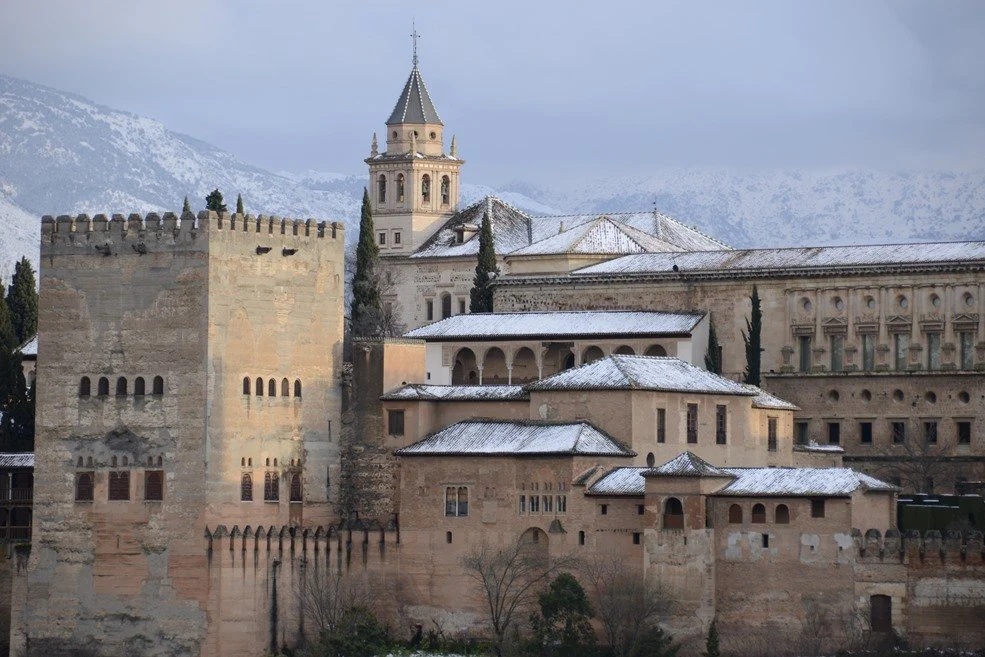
(535, 91)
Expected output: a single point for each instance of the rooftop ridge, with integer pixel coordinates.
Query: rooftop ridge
(660, 216)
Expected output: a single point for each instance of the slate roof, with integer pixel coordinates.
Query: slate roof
(504, 438)
(414, 104)
(661, 373)
(767, 401)
(621, 481)
(686, 464)
(602, 236)
(667, 229)
(518, 326)
(510, 231)
(17, 460)
(770, 260)
(421, 392)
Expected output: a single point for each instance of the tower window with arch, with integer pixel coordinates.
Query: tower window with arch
(400, 188)
(381, 189)
(425, 188)
(445, 190)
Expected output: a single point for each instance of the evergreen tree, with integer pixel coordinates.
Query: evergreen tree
(711, 643)
(563, 626)
(186, 207)
(213, 202)
(365, 283)
(713, 359)
(752, 339)
(239, 204)
(481, 297)
(22, 301)
(8, 336)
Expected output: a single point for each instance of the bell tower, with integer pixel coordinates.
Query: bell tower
(413, 184)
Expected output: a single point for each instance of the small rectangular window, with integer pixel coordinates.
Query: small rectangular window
(604, 509)
(119, 485)
(661, 425)
(930, 432)
(865, 433)
(534, 504)
(692, 423)
(766, 540)
(640, 509)
(429, 309)
(898, 430)
(581, 538)
(636, 538)
(771, 434)
(396, 237)
(461, 306)
(804, 342)
(548, 504)
(802, 432)
(382, 239)
(523, 504)
(562, 503)
(721, 424)
(964, 433)
(834, 433)
(153, 485)
(817, 508)
(395, 422)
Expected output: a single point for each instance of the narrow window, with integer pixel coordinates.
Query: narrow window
(158, 385)
(868, 352)
(548, 504)
(271, 388)
(933, 351)
(381, 189)
(640, 509)
(119, 485)
(461, 306)
(766, 540)
(523, 504)
(837, 353)
(429, 309)
(834, 433)
(84, 487)
(139, 388)
(296, 487)
(771, 431)
(802, 432)
(758, 514)
(720, 424)
(259, 387)
(103, 386)
(400, 188)
(930, 432)
(881, 613)
(898, 430)
(534, 504)
(636, 538)
(805, 353)
(964, 432)
(782, 514)
(448, 537)
(297, 388)
(121, 387)
(673, 514)
(817, 508)
(271, 487)
(901, 346)
(562, 504)
(285, 388)
(967, 351)
(425, 188)
(692, 423)
(153, 485)
(395, 422)
(451, 501)
(445, 190)
(85, 387)
(246, 487)
(865, 433)
(604, 509)
(661, 425)
(581, 538)
(735, 515)
(246, 385)
(445, 306)
(396, 237)
(382, 237)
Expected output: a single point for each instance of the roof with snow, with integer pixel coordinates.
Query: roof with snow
(17, 460)
(621, 481)
(687, 464)
(414, 104)
(421, 392)
(661, 373)
(601, 236)
(768, 401)
(29, 348)
(520, 326)
(499, 438)
(819, 449)
(667, 229)
(771, 260)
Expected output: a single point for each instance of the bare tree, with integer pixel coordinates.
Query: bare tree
(919, 461)
(325, 595)
(627, 606)
(815, 629)
(508, 580)
(385, 321)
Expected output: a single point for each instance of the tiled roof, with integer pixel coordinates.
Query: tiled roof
(517, 326)
(641, 373)
(421, 392)
(621, 481)
(414, 104)
(17, 460)
(770, 402)
(510, 231)
(687, 464)
(29, 348)
(503, 438)
(601, 236)
(799, 482)
(665, 228)
(821, 449)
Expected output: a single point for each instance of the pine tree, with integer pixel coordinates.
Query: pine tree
(713, 359)
(711, 643)
(186, 207)
(481, 298)
(752, 339)
(239, 204)
(365, 283)
(8, 335)
(213, 202)
(22, 301)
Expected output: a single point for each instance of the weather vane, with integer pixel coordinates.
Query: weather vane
(415, 36)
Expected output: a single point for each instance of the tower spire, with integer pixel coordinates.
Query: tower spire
(414, 36)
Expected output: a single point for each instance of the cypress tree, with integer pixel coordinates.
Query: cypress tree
(213, 201)
(480, 297)
(713, 359)
(239, 204)
(752, 339)
(8, 337)
(186, 207)
(365, 284)
(22, 301)
(711, 643)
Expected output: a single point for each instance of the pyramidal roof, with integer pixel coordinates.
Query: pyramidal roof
(603, 236)
(687, 464)
(414, 104)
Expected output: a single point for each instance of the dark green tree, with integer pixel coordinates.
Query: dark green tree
(711, 643)
(752, 339)
(8, 335)
(213, 202)
(239, 204)
(481, 297)
(22, 301)
(563, 625)
(654, 642)
(713, 359)
(365, 283)
(186, 207)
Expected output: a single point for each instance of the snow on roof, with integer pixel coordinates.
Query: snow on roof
(766, 400)
(29, 348)
(553, 324)
(414, 104)
(790, 258)
(510, 231)
(815, 447)
(621, 481)
(495, 438)
(17, 460)
(662, 373)
(799, 482)
(602, 236)
(656, 224)
(421, 392)
(687, 464)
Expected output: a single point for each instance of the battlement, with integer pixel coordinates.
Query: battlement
(912, 546)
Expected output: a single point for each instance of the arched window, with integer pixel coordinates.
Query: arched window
(259, 387)
(673, 514)
(85, 387)
(246, 385)
(103, 386)
(119, 485)
(297, 388)
(153, 485)
(271, 388)
(79, 465)
(425, 188)
(381, 189)
(782, 514)
(83, 487)
(735, 515)
(445, 190)
(160, 460)
(285, 388)
(295, 487)
(139, 389)
(445, 306)
(625, 350)
(591, 355)
(121, 387)
(447, 537)
(581, 538)
(759, 514)
(655, 350)
(246, 487)
(400, 188)
(158, 385)
(271, 487)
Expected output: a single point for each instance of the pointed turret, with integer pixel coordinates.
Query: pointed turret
(374, 149)
(414, 104)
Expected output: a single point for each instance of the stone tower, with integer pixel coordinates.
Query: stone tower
(413, 184)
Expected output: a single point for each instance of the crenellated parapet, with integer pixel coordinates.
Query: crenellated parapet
(913, 547)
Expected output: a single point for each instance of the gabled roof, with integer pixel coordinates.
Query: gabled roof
(505, 438)
(602, 236)
(665, 228)
(421, 392)
(799, 482)
(767, 401)
(687, 464)
(510, 228)
(414, 104)
(519, 326)
(641, 373)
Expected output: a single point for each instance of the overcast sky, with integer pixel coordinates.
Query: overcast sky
(534, 90)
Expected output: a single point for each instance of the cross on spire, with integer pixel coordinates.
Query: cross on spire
(415, 36)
